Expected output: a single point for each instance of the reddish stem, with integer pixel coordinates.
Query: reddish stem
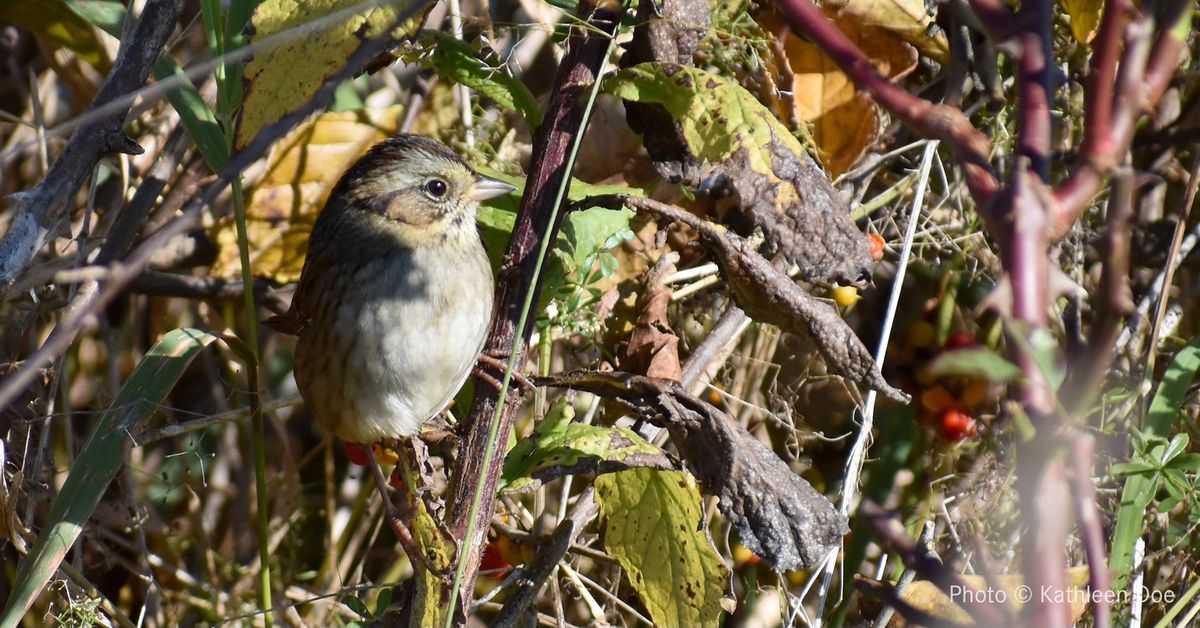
(942, 122)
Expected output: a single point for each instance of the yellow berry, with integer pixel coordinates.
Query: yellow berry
(383, 455)
(845, 296)
(921, 334)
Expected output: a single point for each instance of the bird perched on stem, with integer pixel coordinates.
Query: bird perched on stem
(395, 297)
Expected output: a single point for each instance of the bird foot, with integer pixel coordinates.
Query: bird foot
(498, 361)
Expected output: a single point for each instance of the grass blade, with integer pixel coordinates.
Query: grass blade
(99, 461)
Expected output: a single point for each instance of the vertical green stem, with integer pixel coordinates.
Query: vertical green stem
(221, 31)
(257, 429)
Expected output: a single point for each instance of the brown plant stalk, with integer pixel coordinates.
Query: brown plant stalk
(564, 122)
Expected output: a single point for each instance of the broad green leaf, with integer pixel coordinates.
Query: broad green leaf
(737, 142)
(56, 24)
(718, 117)
(101, 458)
(1186, 462)
(1164, 411)
(1085, 18)
(1132, 468)
(559, 447)
(289, 70)
(456, 61)
(584, 233)
(976, 363)
(1177, 446)
(652, 526)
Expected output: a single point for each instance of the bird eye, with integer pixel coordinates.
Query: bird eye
(435, 188)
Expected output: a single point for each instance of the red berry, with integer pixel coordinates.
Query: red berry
(355, 453)
(492, 560)
(955, 425)
(395, 481)
(959, 340)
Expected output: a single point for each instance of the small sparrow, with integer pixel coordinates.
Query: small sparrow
(395, 297)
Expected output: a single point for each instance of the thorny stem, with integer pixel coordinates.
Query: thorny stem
(1026, 215)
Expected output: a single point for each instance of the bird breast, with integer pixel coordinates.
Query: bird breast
(409, 328)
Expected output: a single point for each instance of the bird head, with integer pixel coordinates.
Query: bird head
(417, 187)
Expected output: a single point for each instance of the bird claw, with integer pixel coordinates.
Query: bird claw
(497, 361)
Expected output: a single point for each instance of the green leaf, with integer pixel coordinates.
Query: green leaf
(976, 363)
(1177, 446)
(652, 527)
(356, 605)
(108, 15)
(1164, 410)
(584, 233)
(1132, 468)
(101, 458)
(559, 447)
(195, 115)
(1186, 462)
(455, 60)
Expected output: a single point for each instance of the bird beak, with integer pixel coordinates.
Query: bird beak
(487, 187)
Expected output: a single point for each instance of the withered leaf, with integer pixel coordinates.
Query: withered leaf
(776, 513)
(714, 135)
(770, 296)
(653, 348)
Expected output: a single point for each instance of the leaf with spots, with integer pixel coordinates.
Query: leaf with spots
(300, 43)
(652, 526)
(775, 512)
(560, 447)
(718, 137)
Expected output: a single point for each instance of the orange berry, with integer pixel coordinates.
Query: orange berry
(936, 399)
(876, 246)
(956, 425)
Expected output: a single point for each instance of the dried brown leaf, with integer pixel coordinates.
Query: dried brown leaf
(776, 513)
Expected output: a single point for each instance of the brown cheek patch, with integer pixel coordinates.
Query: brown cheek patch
(403, 208)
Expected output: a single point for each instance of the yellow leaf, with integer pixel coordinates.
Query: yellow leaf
(282, 78)
(301, 171)
(844, 122)
(1085, 18)
(906, 18)
(652, 527)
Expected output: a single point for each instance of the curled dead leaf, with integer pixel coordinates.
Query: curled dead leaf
(653, 348)
(776, 513)
(770, 296)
